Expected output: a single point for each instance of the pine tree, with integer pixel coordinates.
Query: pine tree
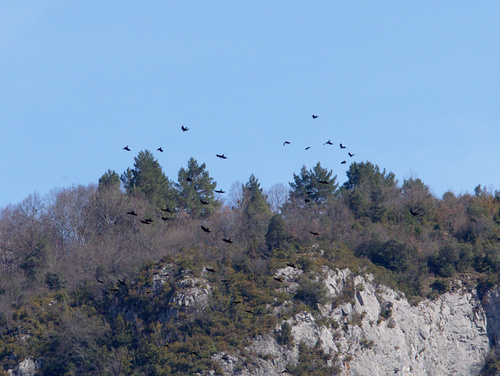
(316, 185)
(196, 190)
(147, 179)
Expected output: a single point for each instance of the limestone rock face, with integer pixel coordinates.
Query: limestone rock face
(374, 330)
(27, 367)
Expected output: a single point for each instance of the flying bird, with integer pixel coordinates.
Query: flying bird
(342, 146)
(306, 200)
(291, 265)
(98, 280)
(184, 129)
(204, 202)
(286, 143)
(160, 149)
(210, 270)
(166, 218)
(328, 143)
(307, 148)
(122, 282)
(227, 240)
(189, 179)
(147, 221)
(114, 289)
(126, 148)
(322, 181)
(343, 162)
(206, 229)
(221, 156)
(315, 116)
(414, 212)
(279, 279)
(220, 191)
(132, 213)
(167, 210)
(314, 233)
(351, 155)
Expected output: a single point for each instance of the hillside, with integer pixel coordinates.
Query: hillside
(141, 275)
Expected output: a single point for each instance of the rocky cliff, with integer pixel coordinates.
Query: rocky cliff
(380, 333)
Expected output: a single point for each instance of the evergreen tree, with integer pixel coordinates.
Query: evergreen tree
(316, 185)
(148, 180)
(196, 187)
(368, 190)
(110, 180)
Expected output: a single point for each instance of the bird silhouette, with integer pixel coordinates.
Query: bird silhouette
(315, 116)
(113, 289)
(227, 240)
(221, 156)
(122, 282)
(322, 181)
(414, 212)
(286, 143)
(147, 221)
(184, 129)
(314, 233)
(204, 202)
(291, 265)
(343, 162)
(160, 149)
(167, 210)
(189, 179)
(306, 200)
(166, 218)
(279, 279)
(351, 155)
(342, 146)
(220, 191)
(126, 148)
(98, 280)
(307, 148)
(210, 270)
(328, 143)
(132, 213)
(206, 229)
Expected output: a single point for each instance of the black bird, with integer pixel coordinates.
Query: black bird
(351, 155)
(414, 212)
(189, 179)
(166, 218)
(307, 148)
(195, 353)
(122, 282)
(306, 200)
(315, 116)
(204, 202)
(227, 240)
(314, 233)
(343, 162)
(184, 129)
(146, 221)
(328, 143)
(286, 143)
(224, 280)
(98, 280)
(248, 311)
(291, 265)
(167, 210)
(279, 279)
(342, 146)
(206, 229)
(236, 302)
(132, 213)
(210, 270)
(126, 148)
(166, 345)
(221, 156)
(160, 149)
(322, 181)
(220, 191)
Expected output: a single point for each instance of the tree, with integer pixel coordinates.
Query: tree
(316, 185)
(110, 180)
(276, 236)
(147, 179)
(194, 186)
(369, 191)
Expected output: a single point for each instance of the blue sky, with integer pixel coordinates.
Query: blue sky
(410, 86)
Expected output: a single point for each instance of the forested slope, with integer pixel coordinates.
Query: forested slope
(143, 275)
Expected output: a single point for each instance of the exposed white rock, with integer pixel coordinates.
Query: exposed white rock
(27, 367)
(378, 332)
